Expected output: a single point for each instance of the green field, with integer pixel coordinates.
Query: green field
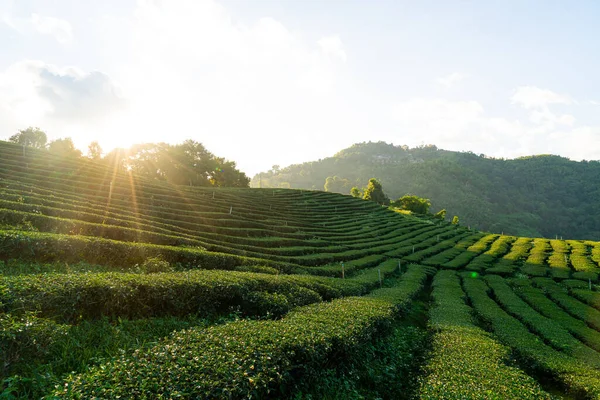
(114, 286)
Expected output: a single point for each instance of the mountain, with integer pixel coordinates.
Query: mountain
(543, 195)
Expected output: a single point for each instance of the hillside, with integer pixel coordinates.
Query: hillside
(544, 196)
(117, 286)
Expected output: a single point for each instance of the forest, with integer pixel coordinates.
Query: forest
(541, 196)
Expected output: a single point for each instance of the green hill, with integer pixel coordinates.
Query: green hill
(114, 285)
(544, 195)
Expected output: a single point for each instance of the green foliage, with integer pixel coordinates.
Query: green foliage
(539, 196)
(356, 192)
(466, 361)
(250, 358)
(71, 297)
(152, 265)
(576, 375)
(64, 148)
(440, 215)
(31, 137)
(538, 300)
(374, 192)
(36, 353)
(414, 204)
(337, 184)
(94, 151)
(552, 333)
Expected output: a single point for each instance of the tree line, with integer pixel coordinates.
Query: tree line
(187, 163)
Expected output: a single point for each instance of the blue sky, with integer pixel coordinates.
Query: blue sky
(268, 82)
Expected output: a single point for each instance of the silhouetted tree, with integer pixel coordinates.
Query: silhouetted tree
(64, 148)
(32, 137)
(94, 151)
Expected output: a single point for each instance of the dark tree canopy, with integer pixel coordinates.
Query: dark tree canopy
(31, 137)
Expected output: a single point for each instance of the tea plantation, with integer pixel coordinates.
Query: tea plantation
(114, 286)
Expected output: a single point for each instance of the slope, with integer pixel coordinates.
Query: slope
(112, 285)
(545, 196)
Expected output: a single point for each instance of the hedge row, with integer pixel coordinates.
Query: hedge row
(580, 259)
(595, 251)
(498, 249)
(449, 254)
(182, 226)
(35, 353)
(535, 265)
(588, 314)
(63, 226)
(577, 377)
(422, 241)
(472, 251)
(46, 247)
(552, 333)
(467, 362)
(249, 359)
(189, 207)
(436, 248)
(71, 297)
(537, 300)
(511, 261)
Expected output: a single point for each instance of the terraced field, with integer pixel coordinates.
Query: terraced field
(114, 286)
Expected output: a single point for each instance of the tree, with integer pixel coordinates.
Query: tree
(440, 214)
(94, 151)
(337, 184)
(187, 163)
(455, 220)
(226, 174)
(355, 192)
(64, 148)
(415, 204)
(374, 192)
(32, 137)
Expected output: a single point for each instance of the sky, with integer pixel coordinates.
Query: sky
(265, 82)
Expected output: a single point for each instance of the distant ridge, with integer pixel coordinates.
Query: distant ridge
(542, 195)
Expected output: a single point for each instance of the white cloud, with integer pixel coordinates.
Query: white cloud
(332, 45)
(438, 116)
(458, 125)
(60, 29)
(451, 80)
(464, 125)
(65, 101)
(531, 97)
(240, 89)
